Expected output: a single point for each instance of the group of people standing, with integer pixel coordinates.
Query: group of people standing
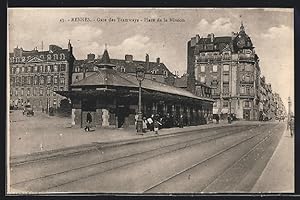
(156, 122)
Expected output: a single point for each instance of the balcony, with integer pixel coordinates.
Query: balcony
(246, 57)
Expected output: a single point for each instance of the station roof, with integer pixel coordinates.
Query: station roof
(107, 76)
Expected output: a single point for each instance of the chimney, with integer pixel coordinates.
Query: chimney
(18, 52)
(197, 38)
(128, 58)
(90, 57)
(158, 60)
(147, 62)
(212, 37)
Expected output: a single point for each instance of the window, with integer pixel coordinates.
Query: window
(19, 81)
(202, 79)
(41, 91)
(16, 92)
(29, 69)
(48, 79)
(226, 88)
(215, 68)
(54, 89)
(55, 79)
(202, 68)
(242, 68)
(48, 68)
(55, 68)
(225, 104)
(22, 92)
(41, 68)
(248, 90)
(28, 92)
(48, 57)
(226, 68)
(248, 68)
(17, 70)
(226, 78)
(122, 69)
(35, 80)
(62, 56)
(29, 80)
(35, 91)
(48, 91)
(42, 57)
(23, 80)
(246, 104)
(35, 69)
(23, 69)
(165, 72)
(247, 78)
(242, 90)
(62, 80)
(61, 88)
(63, 67)
(215, 104)
(55, 57)
(42, 81)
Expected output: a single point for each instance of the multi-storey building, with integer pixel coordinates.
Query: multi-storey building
(230, 66)
(271, 105)
(35, 75)
(201, 90)
(156, 71)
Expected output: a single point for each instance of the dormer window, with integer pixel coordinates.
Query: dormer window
(62, 56)
(48, 57)
(165, 72)
(55, 57)
(123, 69)
(42, 57)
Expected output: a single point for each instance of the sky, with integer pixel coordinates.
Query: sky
(129, 31)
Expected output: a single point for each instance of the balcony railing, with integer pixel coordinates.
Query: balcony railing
(245, 57)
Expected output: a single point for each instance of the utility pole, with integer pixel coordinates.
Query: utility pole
(289, 109)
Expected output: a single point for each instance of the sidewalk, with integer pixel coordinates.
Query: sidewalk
(278, 176)
(44, 133)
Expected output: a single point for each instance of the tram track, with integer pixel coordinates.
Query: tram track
(87, 148)
(91, 169)
(155, 187)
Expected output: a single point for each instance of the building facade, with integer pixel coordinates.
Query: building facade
(35, 75)
(271, 104)
(230, 66)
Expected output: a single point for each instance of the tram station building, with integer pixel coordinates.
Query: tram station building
(111, 97)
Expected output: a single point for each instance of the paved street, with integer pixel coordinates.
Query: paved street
(216, 159)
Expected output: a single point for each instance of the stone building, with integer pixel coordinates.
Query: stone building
(111, 97)
(35, 75)
(156, 71)
(271, 105)
(230, 66)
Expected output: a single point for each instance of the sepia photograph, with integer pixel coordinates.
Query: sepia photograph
(150, 100)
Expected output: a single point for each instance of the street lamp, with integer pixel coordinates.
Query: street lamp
(289, 109)
(229, 118)
(140, 75)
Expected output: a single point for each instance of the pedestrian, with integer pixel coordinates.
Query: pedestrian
(150, 123)
(144, 125)
(217, 118)
(136, 117)
(292, 126)
(181, 121)
(88, 122)
(156, 125)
